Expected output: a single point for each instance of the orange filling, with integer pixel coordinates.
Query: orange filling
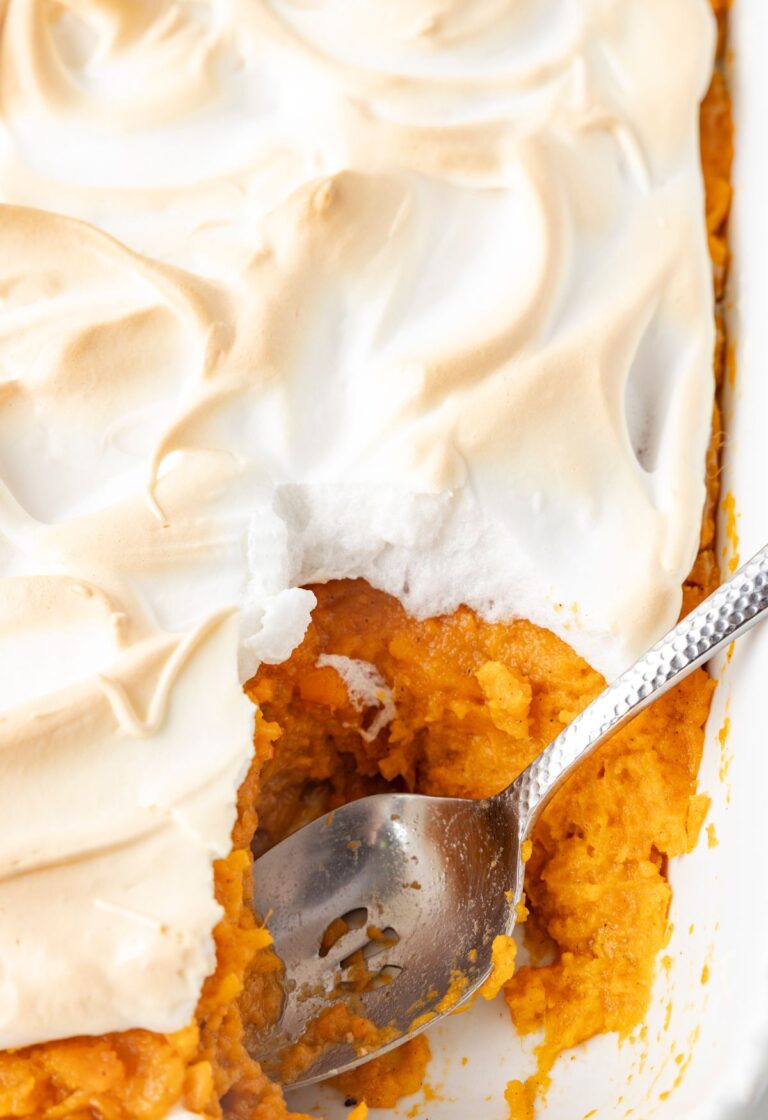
(474, 703)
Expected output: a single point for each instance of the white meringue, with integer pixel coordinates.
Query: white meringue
(296, 290)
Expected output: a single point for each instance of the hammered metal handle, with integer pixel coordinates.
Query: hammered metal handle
(727, 614)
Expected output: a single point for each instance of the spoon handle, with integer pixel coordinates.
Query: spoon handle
(727, 614)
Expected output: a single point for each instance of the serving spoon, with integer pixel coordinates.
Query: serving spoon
(390, 905)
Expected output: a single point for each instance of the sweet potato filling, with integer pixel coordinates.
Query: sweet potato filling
(473, 703)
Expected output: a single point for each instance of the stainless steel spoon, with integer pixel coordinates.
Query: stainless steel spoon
(424, 884)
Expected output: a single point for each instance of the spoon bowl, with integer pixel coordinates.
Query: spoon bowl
(387, 908)
(391, 904)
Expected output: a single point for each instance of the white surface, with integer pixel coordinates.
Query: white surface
(723, 892)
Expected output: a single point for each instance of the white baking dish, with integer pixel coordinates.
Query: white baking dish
(720, 910)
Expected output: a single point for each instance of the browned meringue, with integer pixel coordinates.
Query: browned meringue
(293, 291)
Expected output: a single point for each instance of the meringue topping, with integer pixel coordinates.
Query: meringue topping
(296, 290)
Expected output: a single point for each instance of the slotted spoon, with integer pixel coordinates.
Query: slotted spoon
(391, 903)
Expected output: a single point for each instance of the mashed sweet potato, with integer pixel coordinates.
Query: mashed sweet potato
(475, 702)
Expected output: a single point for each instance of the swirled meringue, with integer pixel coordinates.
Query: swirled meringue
(293, 290)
